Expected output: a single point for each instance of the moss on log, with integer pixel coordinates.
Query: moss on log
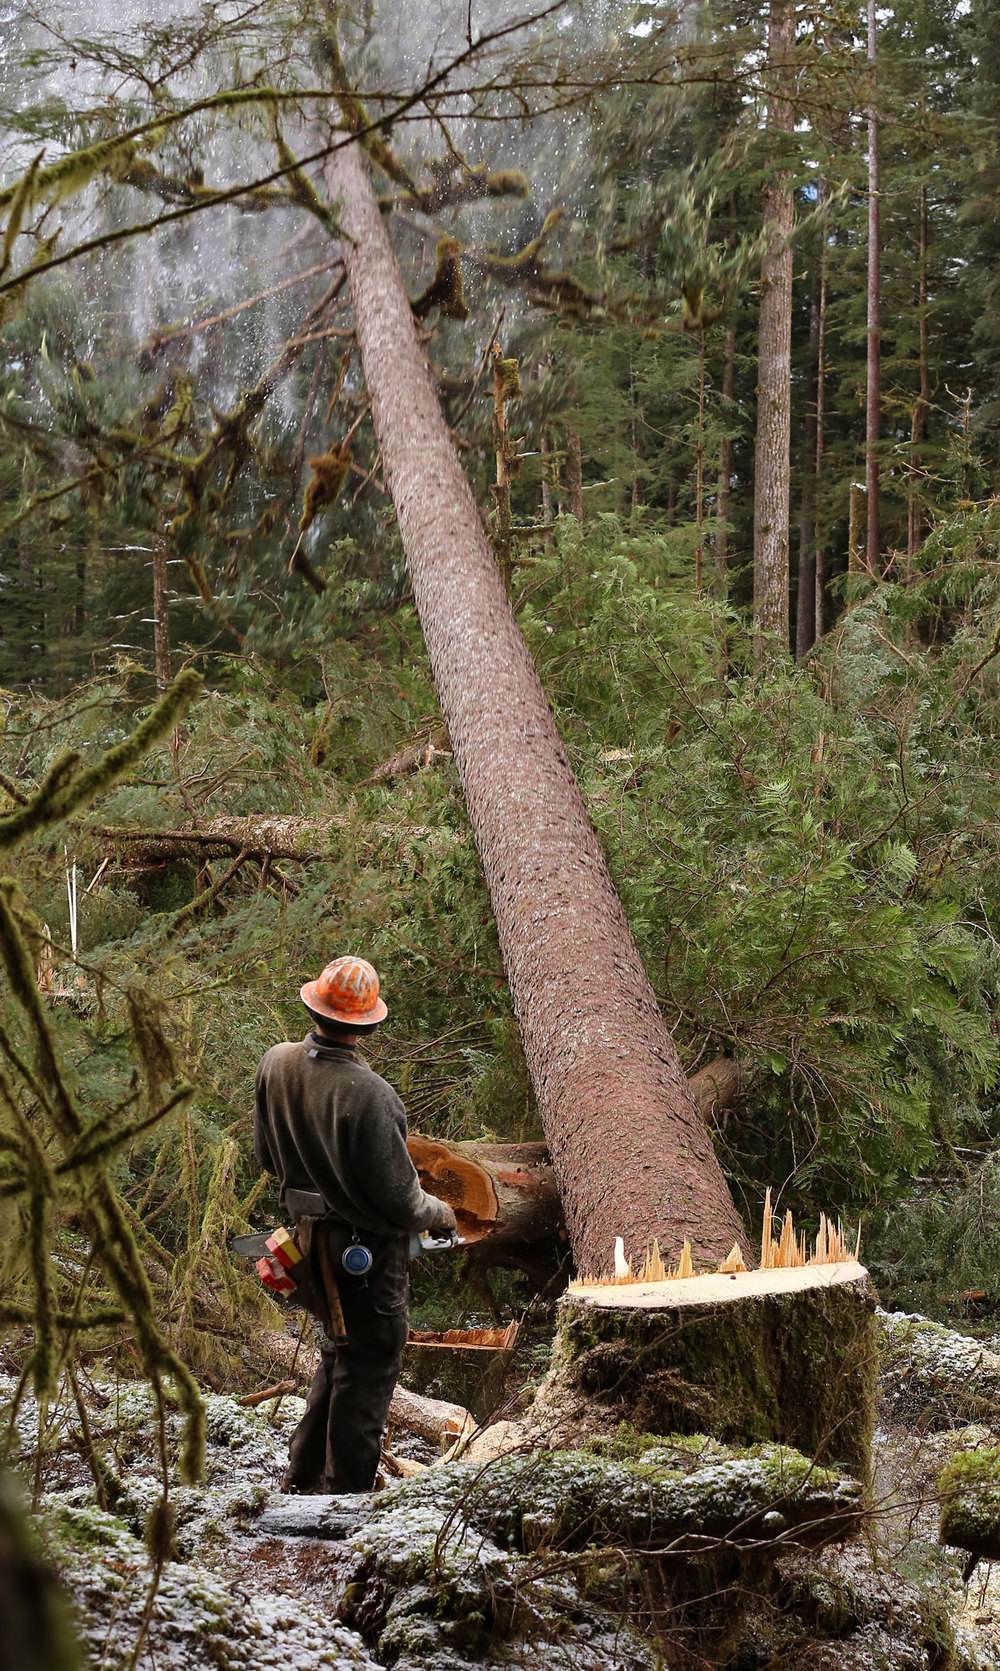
(786, 1355)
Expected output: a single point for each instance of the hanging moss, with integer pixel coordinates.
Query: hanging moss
(72, 1154)
(20, 203)
(445, 289)
(155, 1052)
(301, 190)
(329, 472)
(67, 787)
(506, 383)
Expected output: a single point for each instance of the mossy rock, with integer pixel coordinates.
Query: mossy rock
(969, 1488)
(936, 1377)
(452, 1568)
(786, 1356)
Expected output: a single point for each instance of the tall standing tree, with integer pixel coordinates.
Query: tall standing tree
(774, 368)
(873, 382)
(632, 1155)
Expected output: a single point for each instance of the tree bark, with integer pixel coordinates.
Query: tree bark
(805, 620)
(774, 357)
(820, 556)
(921, 405)
(506, 1193)
(628, 1145)
(873, 385)
(574, 475)
(725, 467)
(161, 616)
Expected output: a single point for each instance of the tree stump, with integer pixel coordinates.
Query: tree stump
(787, 1355)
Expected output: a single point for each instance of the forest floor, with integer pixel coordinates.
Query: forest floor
(452, 1570)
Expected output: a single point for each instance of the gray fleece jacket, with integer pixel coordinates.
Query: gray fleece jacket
(324, 1120)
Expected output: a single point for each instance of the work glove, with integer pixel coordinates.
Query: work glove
(448, 1219)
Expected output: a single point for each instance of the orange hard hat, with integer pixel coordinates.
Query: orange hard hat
(347, 991)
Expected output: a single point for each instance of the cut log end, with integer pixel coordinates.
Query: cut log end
(506, 1192)
(464, 1184)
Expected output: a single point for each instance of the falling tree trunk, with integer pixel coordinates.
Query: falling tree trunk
(725, 466)
(630, 1151)
(805, 622)
(774, 359)
(873, 387)
(506, 1193)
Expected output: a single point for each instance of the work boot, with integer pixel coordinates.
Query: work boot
(296, 1488)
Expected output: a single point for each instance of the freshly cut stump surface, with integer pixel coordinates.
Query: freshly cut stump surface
(786, 1355)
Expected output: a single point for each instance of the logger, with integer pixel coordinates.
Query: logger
(334, 1133)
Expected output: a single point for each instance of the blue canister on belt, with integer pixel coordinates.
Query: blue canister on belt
(357, 1259)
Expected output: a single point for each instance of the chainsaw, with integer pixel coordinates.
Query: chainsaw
(276, 1255)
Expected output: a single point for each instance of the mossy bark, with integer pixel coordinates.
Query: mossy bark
(782, 1355)
(969, 1487)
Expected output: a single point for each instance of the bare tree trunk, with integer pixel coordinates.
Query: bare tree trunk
(636, 458)
(774, 358)
(725, 467)
(805, 619)
(546, 449)
(855, 548)
(914, 536)
(574, 475)
(505, 387)
(873, 391)
(161, 614)
(629, 1148)
(820, 559)
(699, 492)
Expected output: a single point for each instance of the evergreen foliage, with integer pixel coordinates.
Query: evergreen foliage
(807, 857)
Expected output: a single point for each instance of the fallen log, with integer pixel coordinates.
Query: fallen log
(969, 1491)
(258, 835)
(429, 1418)
(280, 1388)
(436, 1419)
(776, 1354)
(718, 1086)
(932, 1377)
(416, 757)
(507, 1192)
(261, 836)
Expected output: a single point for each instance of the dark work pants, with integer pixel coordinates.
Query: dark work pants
(337, 1444)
